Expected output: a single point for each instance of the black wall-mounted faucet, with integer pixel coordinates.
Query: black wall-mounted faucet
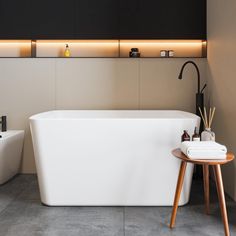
(199, 94)
(4, 123)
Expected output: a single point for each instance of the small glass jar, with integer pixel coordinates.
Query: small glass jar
(207, 135)
(134, 52)
(164, 53)
(171, 53)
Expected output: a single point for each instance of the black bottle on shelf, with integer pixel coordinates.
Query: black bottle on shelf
(134, 52)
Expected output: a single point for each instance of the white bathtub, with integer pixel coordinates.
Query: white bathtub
(110, 157)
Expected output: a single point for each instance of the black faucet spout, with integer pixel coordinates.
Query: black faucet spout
(198, 73)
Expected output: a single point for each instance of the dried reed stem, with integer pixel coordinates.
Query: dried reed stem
(206, 119)
(212, 116)
(202, 116)
(209, 119)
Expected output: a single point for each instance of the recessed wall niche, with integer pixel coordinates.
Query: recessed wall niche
(15, 48)
(102, 48)
(152, 48)
(78, 48)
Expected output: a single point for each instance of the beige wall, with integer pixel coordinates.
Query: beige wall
(29, 86)
(222, 78)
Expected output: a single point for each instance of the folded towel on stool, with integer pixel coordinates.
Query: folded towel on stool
(208, 150)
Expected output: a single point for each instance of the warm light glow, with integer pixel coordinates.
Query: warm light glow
(162, 41)
(95, 42)
(102, 48)
(15, 48)
(78, 48)
(152, 48)
(10, 42)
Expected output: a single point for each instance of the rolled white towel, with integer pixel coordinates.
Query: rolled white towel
(203, 150)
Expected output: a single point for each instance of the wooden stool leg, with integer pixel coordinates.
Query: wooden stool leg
(221, 196)
(206, 187)
(214, 171)
(178, 192)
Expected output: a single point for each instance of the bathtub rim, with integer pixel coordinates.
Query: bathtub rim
(130, 114)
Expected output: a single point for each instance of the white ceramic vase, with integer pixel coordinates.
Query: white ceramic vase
(207, 135)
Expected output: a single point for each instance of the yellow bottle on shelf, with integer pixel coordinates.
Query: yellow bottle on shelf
(67, 51)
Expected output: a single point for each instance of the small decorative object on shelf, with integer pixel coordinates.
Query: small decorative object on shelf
(207, 134)
(167, 53)
(134, 52)
(171, 53)
(164, 53)
(67, 51)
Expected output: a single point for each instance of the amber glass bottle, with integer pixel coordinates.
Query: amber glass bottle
(185, 136)
(196, 136)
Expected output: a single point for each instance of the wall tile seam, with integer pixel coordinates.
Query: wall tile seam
(55, 84)
(139, 84)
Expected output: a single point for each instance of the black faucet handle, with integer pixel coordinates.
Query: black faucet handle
(4, 123)
(203, 88)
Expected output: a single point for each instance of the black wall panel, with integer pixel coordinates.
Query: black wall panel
(15, 19)
(163, 19)
(103, 19)
(53, 19)
(97, 19)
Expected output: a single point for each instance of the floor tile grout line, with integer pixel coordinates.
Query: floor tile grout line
(124, 220)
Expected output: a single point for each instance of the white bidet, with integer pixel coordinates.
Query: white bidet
(11, 144)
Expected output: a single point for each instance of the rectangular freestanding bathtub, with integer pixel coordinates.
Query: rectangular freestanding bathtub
(110, 157)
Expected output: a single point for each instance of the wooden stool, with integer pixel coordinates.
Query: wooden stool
(219, 184)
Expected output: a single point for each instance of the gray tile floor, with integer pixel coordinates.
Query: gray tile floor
(21, 214)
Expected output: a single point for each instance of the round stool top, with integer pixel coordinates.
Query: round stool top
(177, 153)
